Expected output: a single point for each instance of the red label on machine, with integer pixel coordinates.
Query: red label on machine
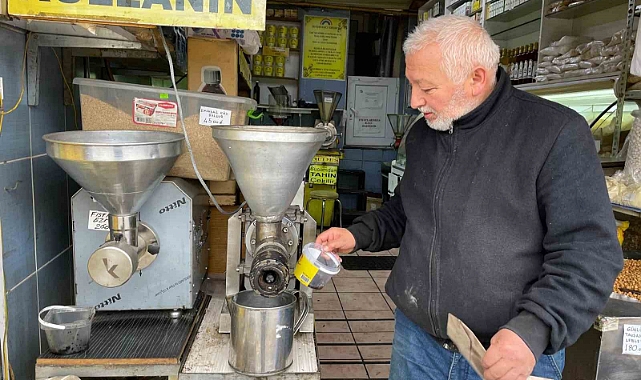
(155, 112)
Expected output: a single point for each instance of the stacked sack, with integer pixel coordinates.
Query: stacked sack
(572, 57)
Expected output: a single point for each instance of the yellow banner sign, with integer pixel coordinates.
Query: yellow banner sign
(323, 174)
(325, 47)
(222, 14)
(326, 159)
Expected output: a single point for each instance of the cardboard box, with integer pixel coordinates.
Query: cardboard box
(224, 200)
(210, 52)
(223, 187)
(374, 203)
(218, 240)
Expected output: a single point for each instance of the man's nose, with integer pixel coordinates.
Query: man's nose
(416, 100)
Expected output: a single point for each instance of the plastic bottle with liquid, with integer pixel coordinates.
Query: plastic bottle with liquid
(211, 82)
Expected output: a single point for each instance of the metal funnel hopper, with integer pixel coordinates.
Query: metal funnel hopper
(399, 123)
(120, 169)
(269, 163)
(327, 102)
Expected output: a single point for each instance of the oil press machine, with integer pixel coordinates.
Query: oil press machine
(137, 237)
(264, 241)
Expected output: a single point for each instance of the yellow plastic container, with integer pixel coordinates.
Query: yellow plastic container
(315, 268)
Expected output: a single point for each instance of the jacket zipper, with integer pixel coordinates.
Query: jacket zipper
(432, 304)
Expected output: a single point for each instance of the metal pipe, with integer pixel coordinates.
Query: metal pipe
(124, 227)
(267, 230)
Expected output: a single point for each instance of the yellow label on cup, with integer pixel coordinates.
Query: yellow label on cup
(293, 43)
(268, 60)
(258, 69)
(258, 58)
(268, 71)
(293, 31)
(305, 270)
(280, 61)
(282, 42)
(280, 71)
(270, 30)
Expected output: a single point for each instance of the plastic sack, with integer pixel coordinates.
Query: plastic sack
(613, 50)
(585, 65)
(573, 41)
(635, 65)
(582, 48)
(633, 78)
(554, 76)
(541, 78)
(632, 166)
(617, 38)
(560, 61)
(635, 87)
(554, 70)
(573, 73)
(545, 64)
(556, 50)
(542, 71)
(609, 67)
(594, 70)
(615, 59)
(571, 53)
(547, 58)
(595, 49)
(596, 61)
(569, 67)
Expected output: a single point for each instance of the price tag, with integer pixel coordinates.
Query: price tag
(214, 116)
(98, 220)
(632, 340)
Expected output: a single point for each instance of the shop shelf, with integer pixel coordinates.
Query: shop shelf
(585, 83)
(590, 6)
(626, 210)
(524, 9)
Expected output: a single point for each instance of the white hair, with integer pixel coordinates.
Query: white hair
(463, 42)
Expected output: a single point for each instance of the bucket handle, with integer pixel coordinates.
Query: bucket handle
(304, 311)
(51, 325)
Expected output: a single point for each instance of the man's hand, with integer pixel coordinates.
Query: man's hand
(508, 358)
(338, 240)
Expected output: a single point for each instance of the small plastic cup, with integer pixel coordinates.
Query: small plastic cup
(316, 267)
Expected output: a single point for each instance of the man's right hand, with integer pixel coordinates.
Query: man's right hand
(338, 240)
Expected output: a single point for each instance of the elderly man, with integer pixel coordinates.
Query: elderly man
(502, 217)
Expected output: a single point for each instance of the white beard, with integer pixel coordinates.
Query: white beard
(458, 107)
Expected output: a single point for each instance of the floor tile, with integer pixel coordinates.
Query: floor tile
(380, 282)
(380, 273)
(389, 301)
(378, 371)
(328, 314)
(328, 288)
(338, 353)
(355, 285)
(363, 301)
(371, 326)
(332, 326)
(382, 352)
(370, 314)
(352, 273)
(326, 301)
(394, 251)
(343, 371)
(374, 337)
(334, 338)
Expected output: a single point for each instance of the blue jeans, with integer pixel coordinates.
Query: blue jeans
(416, 355)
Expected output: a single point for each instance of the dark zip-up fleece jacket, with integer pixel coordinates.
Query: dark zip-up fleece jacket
(505, 223)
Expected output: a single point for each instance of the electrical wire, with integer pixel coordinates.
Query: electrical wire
(22, 76)
(73, 102)
(182, 123)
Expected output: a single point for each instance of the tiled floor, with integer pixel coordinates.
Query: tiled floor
(355, 324)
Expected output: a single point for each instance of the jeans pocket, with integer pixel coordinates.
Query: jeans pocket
(557, 362)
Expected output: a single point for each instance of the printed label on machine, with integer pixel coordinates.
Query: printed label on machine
(632, 340)
(98, 220)
(160, 113)
(214, 116)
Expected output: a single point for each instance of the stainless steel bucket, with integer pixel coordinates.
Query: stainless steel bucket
(262, 331)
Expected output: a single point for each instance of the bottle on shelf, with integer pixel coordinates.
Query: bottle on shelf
(211, 81)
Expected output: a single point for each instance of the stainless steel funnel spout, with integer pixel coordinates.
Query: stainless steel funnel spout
(269, 163)
(327, 102)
